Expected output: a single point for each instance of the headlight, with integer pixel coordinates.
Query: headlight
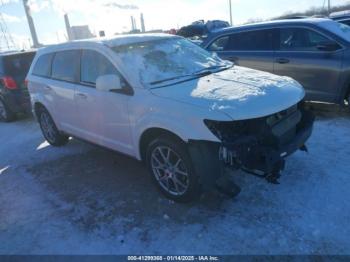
(226, 131)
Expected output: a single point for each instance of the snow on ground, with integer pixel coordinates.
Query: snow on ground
(80, 199)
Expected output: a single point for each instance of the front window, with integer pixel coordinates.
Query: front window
(155, 62)
(300, 39)
(93, 65)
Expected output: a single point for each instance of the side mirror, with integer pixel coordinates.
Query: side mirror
(108, 83)
(328, 46)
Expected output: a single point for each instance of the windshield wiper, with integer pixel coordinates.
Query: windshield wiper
(210, 68)
(203, 72)
(168, 79)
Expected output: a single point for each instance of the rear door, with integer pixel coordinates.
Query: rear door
(299, 57)
(61, 87)
(253, 49)
(103, 115)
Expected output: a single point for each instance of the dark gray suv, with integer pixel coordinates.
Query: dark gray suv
(315, 52)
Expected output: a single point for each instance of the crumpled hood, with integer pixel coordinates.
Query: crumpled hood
(239, 92)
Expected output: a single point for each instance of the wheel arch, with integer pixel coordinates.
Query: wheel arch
(152, 133)
(37, 107)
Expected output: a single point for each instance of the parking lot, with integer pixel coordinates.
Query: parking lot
(80, 199)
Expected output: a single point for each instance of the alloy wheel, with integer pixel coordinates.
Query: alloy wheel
(169, 170)
(47, 126)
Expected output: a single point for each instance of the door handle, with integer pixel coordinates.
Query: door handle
(282, 60)
(80, 95)
(48, 88)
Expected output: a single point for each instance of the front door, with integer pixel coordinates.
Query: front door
(299, 56)
(103, 116)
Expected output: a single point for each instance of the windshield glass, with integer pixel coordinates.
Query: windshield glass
(166, 60)
(339, 29)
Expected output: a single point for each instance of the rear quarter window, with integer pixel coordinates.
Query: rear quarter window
(42, 66)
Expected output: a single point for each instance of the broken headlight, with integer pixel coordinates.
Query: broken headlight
(226, 130)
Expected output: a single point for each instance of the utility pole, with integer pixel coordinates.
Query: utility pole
(31, 24)
(142, 21)
(68, 28)
(329, 7)
(230, 2)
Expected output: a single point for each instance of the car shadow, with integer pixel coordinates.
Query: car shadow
(95, 188)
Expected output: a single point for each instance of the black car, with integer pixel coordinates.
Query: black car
(14, 96)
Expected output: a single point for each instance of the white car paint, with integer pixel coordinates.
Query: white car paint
(240, 92)
(117, 121)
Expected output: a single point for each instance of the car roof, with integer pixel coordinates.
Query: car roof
(12, 53)
(108, 41)
(340, 14)
(302, 21)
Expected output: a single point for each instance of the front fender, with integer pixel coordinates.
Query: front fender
(183, 120)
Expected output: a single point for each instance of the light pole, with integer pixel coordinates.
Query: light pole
(329, 7)
(31, 24)
(230, 3)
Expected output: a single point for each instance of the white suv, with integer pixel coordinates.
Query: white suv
(166, 101)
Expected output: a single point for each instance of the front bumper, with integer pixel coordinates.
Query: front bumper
(256, 156)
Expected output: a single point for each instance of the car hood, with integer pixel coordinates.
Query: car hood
(239, 92)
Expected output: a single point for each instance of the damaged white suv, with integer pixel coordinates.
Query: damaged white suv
(164, 100)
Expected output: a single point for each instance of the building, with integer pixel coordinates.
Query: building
(81, 32)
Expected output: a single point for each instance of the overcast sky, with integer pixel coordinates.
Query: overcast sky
(114, 15)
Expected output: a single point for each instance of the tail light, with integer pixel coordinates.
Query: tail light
(9, 82)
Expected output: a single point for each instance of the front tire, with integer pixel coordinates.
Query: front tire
(49, 129)
(171, 169)
(5, 114)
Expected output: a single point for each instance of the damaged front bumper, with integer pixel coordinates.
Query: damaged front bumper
(258, 146)
(259, 157)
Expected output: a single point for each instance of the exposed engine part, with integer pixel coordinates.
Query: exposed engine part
(263, 143)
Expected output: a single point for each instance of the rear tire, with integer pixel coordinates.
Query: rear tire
(48, 127)
(171, 169)
(5, 113)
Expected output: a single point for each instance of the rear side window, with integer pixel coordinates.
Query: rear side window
(93, 65)
(43, 66)
(65, 65)
(259, 40)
